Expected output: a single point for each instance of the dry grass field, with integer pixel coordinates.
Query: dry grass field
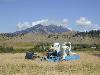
(15, 64)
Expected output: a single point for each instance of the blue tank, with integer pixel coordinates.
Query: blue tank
(72, 57)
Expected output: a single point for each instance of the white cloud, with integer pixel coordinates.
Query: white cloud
(39, 22)
(45, 22)
(65, 21)
(86, 24)
(95, 27)
(23, 25)
(83, 21)
(19, 25)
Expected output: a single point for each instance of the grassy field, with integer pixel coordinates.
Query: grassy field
(15, 64)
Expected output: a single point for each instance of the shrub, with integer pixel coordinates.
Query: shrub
(4, 49)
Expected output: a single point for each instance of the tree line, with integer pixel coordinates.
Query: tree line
(92, 33)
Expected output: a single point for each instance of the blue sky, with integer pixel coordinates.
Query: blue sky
(14, 11)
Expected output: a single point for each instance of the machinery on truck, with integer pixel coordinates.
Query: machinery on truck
(60, 52)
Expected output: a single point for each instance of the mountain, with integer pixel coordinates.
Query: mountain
(28, 38)
(43, 29)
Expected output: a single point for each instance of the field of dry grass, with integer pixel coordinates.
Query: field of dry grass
(15, 64)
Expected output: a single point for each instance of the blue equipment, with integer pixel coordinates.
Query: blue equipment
(72, 57)
(57, 58)
(61, 51)
(30, 55)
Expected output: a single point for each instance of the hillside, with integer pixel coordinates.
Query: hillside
(42, 29)
(48, 34)
(30, 39)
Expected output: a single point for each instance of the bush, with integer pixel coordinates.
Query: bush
(20, 50)
(39, 48)
(4, 49)
(80, 46)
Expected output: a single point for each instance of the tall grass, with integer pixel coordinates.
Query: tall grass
(15, 64)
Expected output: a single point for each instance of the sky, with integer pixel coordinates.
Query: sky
(77, 15)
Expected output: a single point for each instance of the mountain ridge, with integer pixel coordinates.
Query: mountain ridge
(43, 29)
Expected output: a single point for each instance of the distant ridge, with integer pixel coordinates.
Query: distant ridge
(43, 29)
